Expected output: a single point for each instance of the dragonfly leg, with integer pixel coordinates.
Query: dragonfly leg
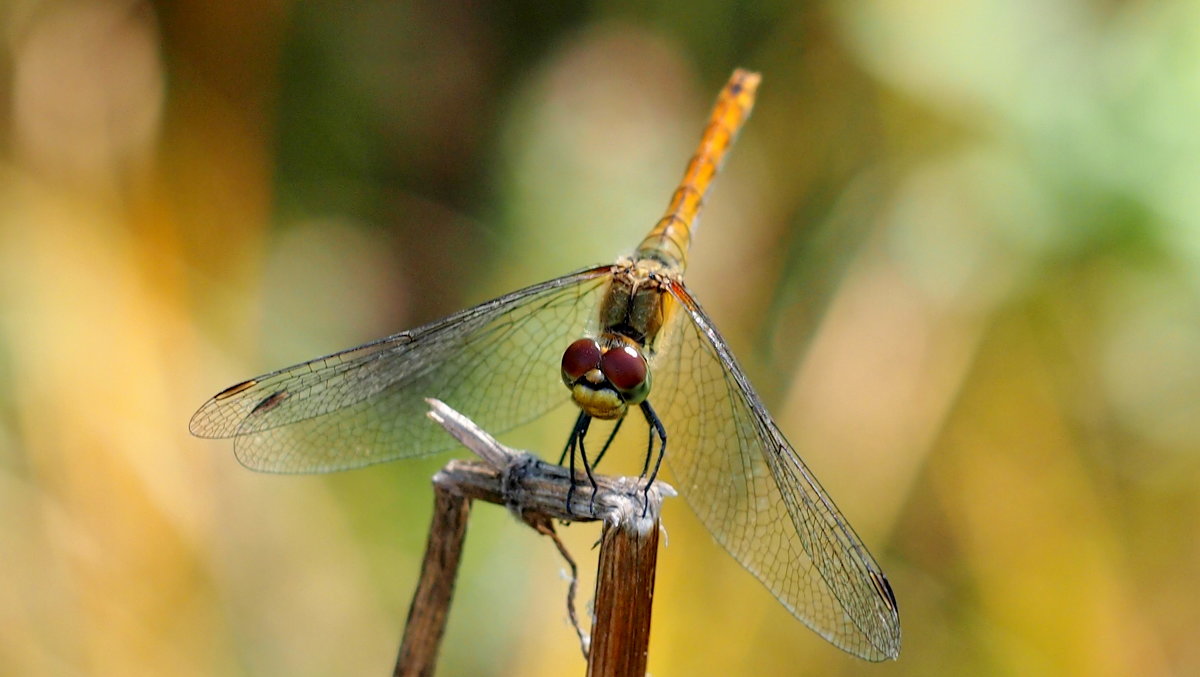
(649, 449)
(587, 467)
(579, 431)
(656, 428)
(570, 445)
(608, 442)
(576, 438)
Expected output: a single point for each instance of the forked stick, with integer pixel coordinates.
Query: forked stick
(536, 492)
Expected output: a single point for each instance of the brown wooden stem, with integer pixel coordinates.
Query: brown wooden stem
(537, 493)
(431, 602)
(624, 595)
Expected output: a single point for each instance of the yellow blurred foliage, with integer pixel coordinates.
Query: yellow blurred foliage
(958, 249)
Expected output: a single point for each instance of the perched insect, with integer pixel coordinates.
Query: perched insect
(634, 337)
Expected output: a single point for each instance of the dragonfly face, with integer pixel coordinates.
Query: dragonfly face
(605, 376)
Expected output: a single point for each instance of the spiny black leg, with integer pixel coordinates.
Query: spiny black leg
(577, 431)
(587, 467)
(656, 424)
(608, 442)
(570, 443)
(649, 448)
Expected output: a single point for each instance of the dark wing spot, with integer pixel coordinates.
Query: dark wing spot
(885, 589)
(235, 389)
(270, 402)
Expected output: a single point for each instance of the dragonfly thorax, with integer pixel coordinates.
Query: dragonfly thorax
(605, 377)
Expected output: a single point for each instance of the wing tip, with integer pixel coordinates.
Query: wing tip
(207, 424)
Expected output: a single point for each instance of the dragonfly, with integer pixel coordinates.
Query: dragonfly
(635, 339)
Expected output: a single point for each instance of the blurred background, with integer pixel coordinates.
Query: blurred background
(957, 248)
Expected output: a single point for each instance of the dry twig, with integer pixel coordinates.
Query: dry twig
(537, 493)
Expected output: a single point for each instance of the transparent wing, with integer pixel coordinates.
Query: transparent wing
(497, 363)
(758, 499)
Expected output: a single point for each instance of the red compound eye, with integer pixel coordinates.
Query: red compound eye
(580, 357)
(624, 368)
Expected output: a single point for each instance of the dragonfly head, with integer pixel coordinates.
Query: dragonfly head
(605, 380)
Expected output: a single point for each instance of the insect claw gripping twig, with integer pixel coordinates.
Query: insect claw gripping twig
(536, 491)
